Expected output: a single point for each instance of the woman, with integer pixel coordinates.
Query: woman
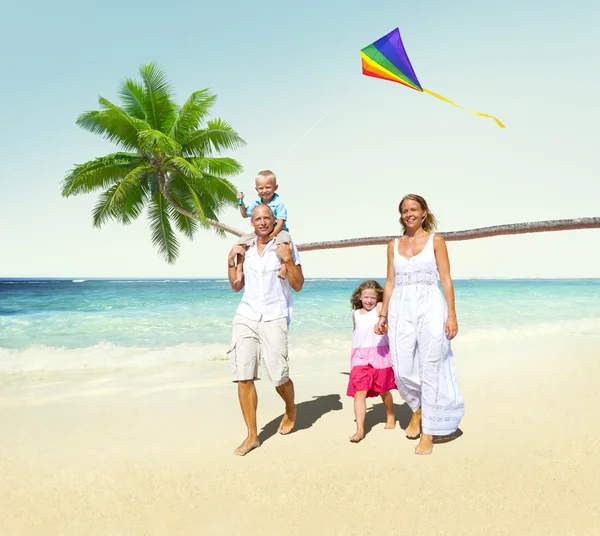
(418, 326)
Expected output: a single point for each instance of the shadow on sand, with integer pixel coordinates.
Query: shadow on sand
(376, 415)
(307, 414)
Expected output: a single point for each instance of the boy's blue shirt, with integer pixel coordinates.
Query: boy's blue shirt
(276, 205)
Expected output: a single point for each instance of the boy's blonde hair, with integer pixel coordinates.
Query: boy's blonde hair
(266, 174)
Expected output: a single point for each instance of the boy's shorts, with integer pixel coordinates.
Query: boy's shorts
(282, 238)
(254, 341)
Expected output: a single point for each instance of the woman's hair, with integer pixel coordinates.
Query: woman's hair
(365, 285)
(429, 223)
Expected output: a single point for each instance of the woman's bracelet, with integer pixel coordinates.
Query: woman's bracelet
(383, 316)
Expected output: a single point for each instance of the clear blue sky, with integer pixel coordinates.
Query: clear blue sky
(277, 71)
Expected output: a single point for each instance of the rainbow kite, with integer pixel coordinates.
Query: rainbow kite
(387, 59)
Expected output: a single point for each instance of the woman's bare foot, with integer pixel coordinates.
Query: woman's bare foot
(390, 422)
(358, 436)
(425, 446)
(250, 443)
(413, 430)
(287, 423)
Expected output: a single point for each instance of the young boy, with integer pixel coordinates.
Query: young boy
(266, 186)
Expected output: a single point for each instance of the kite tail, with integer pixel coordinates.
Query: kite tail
(498, 122)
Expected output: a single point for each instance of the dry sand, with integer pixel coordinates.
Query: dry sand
(150, 452)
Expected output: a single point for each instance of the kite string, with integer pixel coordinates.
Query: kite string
(433, 94)
(308, 131)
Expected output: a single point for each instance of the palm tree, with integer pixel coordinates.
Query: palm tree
(166, 161)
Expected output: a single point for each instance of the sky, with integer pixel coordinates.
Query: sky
(345, 147)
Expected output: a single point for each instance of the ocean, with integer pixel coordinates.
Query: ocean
(48, 325)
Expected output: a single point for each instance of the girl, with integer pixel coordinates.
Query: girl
(371, 368)
(420, 329)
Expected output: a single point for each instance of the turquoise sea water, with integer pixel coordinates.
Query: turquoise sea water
(65, 324)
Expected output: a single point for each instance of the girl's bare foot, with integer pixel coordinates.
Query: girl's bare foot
(390, 422)
(358, 436)
(413, 430)
(425, 446)
(250, 443)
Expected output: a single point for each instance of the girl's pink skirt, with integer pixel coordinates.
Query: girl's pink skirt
(373, 380)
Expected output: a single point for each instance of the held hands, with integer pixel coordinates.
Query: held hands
(238, 249)
(451, 327)
(381, 328)
(284, 252)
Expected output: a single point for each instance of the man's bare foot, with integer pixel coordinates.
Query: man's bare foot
(358, 436)
(413, 430)
(248, 445)
(287, 423)
(390, 422)
(425, 446)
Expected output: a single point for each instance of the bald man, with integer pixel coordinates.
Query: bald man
(260, 326)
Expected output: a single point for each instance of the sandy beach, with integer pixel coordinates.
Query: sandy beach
(134, 452)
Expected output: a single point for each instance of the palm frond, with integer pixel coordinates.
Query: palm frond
(195, 199)
(99, 173)
(123, 201)
(158, 104)
(181, 188)
(154, 141)
(181, 165)
(218, 136)
(191, 114)
(113, 123)
(183, 223)
(163, 236)
(218, 166)
(207, 195)
(133, 98)
(223, 191)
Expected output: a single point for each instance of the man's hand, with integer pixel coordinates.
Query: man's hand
(284, 252)
(238, 249)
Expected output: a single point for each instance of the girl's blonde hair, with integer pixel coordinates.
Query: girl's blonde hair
(429, 223)
(365, 285)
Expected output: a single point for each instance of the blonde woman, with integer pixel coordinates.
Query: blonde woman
(419, 326)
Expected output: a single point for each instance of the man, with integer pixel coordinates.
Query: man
(260, 326)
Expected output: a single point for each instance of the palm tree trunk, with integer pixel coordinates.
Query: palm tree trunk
(471, 234)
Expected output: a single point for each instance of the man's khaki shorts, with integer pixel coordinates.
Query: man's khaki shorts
(283, 237)
(265, 341)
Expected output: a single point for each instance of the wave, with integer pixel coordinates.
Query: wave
(582, 326)
(105, 356)
(303, 345)
(335, 279)
(157, 281)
